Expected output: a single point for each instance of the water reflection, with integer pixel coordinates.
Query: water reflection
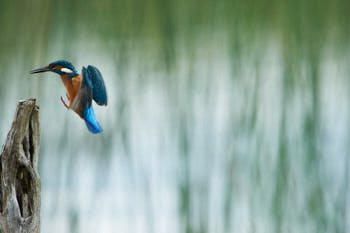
(226, 116)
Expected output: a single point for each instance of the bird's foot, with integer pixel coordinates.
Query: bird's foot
(64, 103)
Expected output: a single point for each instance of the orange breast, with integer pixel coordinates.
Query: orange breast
(72, 86)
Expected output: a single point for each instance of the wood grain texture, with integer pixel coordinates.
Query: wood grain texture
(20, 185)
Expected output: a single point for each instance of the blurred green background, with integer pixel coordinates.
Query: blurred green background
(223, 116)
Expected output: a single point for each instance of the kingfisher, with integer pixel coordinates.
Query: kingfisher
(81, 90)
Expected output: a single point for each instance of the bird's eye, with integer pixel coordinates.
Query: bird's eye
(66, 70)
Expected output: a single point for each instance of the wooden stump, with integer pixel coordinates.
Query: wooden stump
(20, 183)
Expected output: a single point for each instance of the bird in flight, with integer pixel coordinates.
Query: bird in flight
(81, 90)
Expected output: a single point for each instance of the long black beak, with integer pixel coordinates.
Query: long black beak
(40, 70)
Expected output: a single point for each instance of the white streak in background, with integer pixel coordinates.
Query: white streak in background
(137, 192)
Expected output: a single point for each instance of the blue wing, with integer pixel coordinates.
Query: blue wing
(99, 93)
(82, 103)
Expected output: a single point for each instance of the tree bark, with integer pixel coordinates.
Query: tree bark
(19, 179)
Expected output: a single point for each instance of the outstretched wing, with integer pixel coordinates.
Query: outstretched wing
(84, 96)
(99, 90)
(82, 103)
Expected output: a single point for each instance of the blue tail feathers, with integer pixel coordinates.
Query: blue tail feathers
(90, 120)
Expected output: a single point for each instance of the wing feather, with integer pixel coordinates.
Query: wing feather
(84, 95)
(99, 90)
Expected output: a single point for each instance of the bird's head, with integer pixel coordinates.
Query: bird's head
(60, 67)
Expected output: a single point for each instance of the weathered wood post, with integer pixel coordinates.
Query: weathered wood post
(19, 180)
